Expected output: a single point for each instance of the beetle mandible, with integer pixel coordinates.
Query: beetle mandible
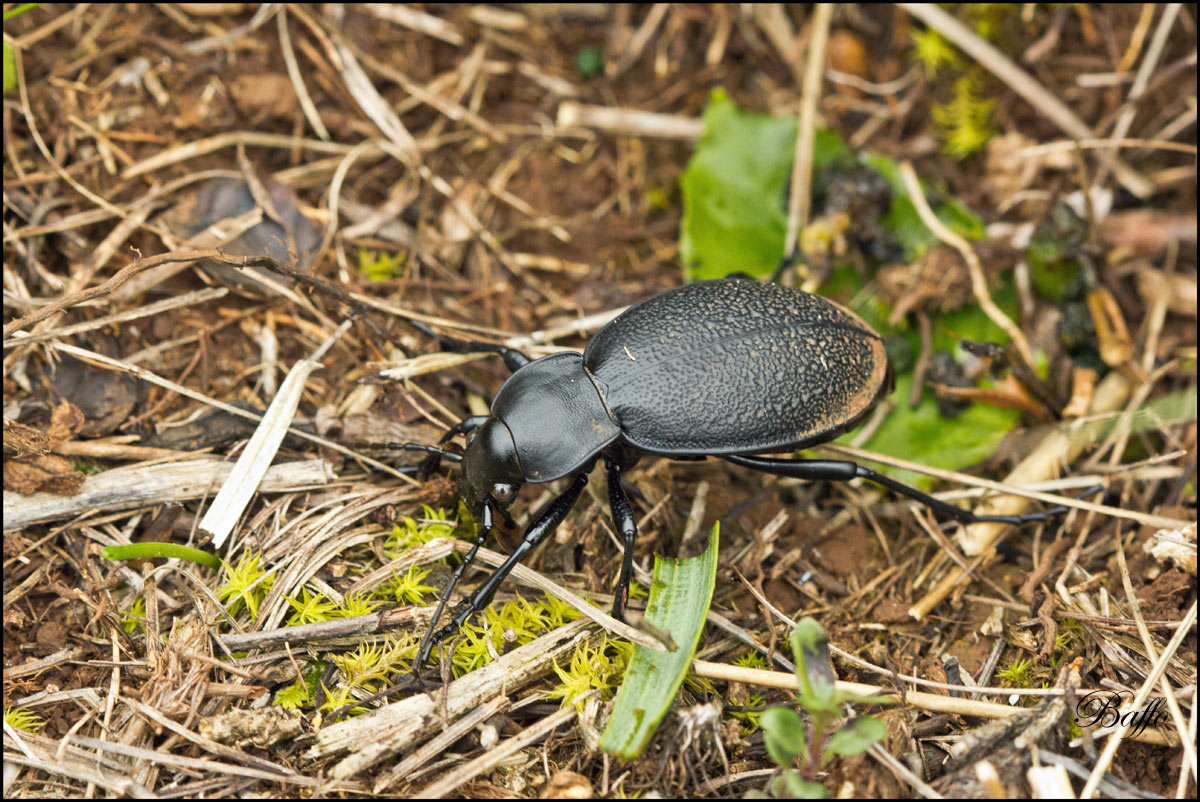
(727, 368)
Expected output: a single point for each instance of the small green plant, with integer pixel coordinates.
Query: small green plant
(600, 668)
(24, 719)
(507, 626)
(932, 50)
(750, 719)
(410, 588)
(964, 123)
(1016, 674)
(371, 666)
(295, 696)
(303, 691)
(136, 616)
(245, 584)
(827, 736)
(10, 55)
(357, 604)
(379, 266)
(310, 609)
(589, 61)
(410, 532)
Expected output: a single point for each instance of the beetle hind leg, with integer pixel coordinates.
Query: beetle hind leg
(844, 470)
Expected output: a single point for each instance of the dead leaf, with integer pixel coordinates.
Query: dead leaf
(47, 473)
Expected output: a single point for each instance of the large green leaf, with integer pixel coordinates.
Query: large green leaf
(733, 192)
(735, 187)
(924, 434)
(902, 220)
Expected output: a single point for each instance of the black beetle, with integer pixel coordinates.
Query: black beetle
(727, 368)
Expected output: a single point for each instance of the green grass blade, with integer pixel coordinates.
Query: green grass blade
(156, 550)
(679, 599)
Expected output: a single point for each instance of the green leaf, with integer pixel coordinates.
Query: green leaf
(10, 54)
(155, 550)
(734, 213)
(927, 436)
(734, 193)
(679, 599)
(814, 668)
(10, 69)
(856, 736)
(902, 220)
(589, 61)
(796, 787)
(784, 734)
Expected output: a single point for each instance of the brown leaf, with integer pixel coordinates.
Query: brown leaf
(47, 473)
(264, 96)
(65, 421)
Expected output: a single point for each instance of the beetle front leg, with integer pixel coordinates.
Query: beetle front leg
(434, 461)
(843, 471)
(622, 515)
(427, 642)
(543, 526)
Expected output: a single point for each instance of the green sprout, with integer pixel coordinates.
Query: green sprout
(964, 123)
(136, 616)
(410, 588)
(370, 666)
(814, 746)
(341, 697)
(411, 532)
(589, 61)
(302, 692)
(379, 266)
(749, 719)
(295, 696)
(10, 55)
(933, 51)
(24, 719)
(245, 584)
(505, 627)
(356, 604)
(1016, 674)
(599, 668)
(310, 609)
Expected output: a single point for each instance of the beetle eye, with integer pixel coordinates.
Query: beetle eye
(504, 493)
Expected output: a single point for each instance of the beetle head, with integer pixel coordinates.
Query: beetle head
(490, 469)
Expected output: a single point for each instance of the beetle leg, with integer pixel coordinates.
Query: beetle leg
(622, 515)
(543, 526)
(843, 471)
(485, 529)
(441, 452)
(513, 358)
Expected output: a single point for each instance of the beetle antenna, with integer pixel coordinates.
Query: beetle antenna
(453, 456)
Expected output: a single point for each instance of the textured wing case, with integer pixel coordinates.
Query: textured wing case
(725, 367)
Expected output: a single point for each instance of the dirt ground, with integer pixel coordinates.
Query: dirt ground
(492, 171)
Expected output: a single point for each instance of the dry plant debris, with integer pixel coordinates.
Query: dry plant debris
(512, 174)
